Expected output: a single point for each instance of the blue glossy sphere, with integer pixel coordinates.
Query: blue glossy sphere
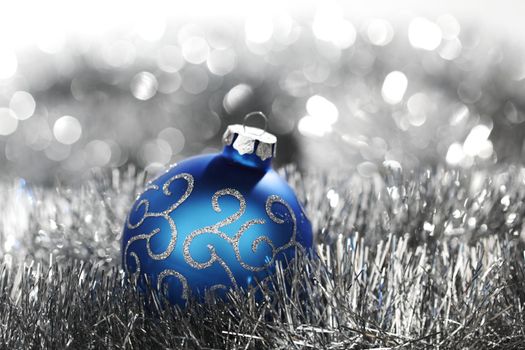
(211, 223)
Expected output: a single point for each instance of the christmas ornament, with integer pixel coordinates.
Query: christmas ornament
(216, 221)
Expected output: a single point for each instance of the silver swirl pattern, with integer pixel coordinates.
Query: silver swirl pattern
(165, 214)
(179, 276)
(234, 241)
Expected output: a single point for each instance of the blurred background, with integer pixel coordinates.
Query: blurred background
(346, 85)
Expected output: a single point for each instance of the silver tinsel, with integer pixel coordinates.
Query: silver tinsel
(423, 259)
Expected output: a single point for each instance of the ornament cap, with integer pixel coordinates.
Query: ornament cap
(248, 140)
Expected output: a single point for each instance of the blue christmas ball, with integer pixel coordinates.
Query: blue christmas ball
(215, 222)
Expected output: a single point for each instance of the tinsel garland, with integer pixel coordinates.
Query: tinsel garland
(430, 259)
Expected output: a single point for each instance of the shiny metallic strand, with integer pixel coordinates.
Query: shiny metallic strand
(420, 260)
(217, 287)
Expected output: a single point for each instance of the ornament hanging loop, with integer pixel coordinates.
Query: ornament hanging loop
(253, 114)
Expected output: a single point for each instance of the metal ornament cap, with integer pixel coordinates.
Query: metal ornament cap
(248, 140)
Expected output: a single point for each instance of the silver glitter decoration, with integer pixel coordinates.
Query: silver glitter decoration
(144, 202)
(150, 186)
(234, 241)
(226, 269)
(171, 244)
(186, 249)
(136, 274)
(214, 229)
(230, 192)
(134, 239)
(269, 203)
(216, 287)
(258, 240)
(185, 176)
(164, 214)
(179, 276)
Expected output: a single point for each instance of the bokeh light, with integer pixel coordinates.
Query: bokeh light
(259, 28)
(394, 87)
(157, 151)
(67, 130)
(37, 133)
(449, 25)
(169, 83)
(98, 153)
(195, 80)
(380, 32)
(170, 58)
(424, 34)
(417, 106)
(330, 25)
(8, 121)
(57, 151)
(8, 63)
(237, 97)
(221, 61)
(119, 53)
(23, 105)
(151, 25)
(455, 154)
(320, 107)
(175, 138)
(477, 141)
(312, 126)
(144, 86)
(450, 49)
(195, 50)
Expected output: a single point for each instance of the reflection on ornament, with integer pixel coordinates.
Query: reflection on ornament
(215, 222)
